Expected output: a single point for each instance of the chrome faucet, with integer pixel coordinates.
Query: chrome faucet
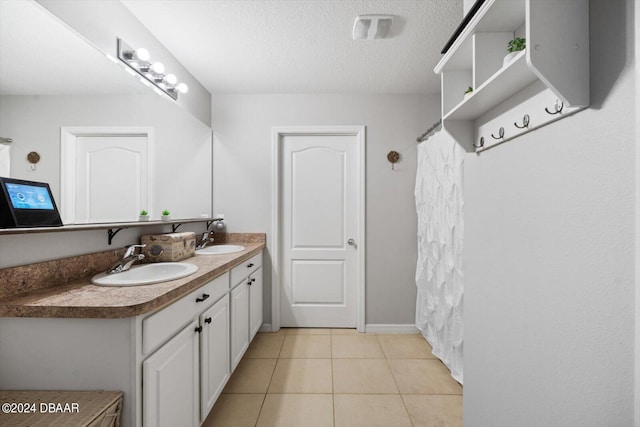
(205, 240)
(127, 260)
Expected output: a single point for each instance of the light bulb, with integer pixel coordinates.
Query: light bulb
(182, 88)
(171, 79)
(142, 53)
(157, 68)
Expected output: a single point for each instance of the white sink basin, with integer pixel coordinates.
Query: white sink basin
(219, 249)
(146, 274)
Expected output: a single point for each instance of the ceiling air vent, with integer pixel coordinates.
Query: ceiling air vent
(370, 27)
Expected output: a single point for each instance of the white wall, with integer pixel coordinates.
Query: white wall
(181, 175)
(637, 218)
(549, 258)
(242, 179)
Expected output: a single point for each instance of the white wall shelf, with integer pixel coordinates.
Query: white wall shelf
(510, 100)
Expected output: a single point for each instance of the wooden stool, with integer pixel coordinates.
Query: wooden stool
(36, 408)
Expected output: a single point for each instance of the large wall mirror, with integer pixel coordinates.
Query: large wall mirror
(63, 99)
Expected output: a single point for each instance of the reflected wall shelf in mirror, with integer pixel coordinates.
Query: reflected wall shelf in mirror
(547, 81)
(112, 228)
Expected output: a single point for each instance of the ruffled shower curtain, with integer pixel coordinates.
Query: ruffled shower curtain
(439, 277)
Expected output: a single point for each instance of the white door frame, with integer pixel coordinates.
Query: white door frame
(273, 244)
(68, 139)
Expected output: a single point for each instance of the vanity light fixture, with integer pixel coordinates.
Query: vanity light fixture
(139, 60)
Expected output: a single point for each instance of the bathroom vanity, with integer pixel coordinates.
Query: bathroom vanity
(170, 347)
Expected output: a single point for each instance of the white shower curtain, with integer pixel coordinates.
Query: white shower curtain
(439, 277)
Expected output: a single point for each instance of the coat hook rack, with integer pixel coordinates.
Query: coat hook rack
(558, 108)
(525, 122)
(500, 134)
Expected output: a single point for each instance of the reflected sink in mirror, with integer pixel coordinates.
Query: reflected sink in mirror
(219, 249)
(146, 274)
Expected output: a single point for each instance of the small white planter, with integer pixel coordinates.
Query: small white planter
(509, 57)
(166, 218)
(143, 218)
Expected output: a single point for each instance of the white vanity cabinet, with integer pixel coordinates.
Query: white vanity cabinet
(183, 378)
(171, 364)
(214, 354)
(243, 299)
(171, 381)
(255, 302)
(239, 322)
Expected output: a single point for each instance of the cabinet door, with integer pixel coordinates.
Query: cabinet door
(255, 310)
(239, 322)
(171, 382)
(214, 354)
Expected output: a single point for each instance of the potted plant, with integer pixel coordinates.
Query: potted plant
(144, 215)
(514, 46)
(166, 215)
(468, 92)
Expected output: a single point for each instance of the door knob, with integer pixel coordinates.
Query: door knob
(351, 242)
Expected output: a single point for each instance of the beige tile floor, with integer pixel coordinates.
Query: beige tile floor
(337, 377)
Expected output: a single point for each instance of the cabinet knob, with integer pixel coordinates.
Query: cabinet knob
(207, 320)
(198, 329)
(203, 297)
(250, 265)
(253, 280)
(249, 283)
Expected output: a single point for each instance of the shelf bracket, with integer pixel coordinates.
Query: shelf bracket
(174, 227)
(112, 234)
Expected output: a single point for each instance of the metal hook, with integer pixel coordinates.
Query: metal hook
(481, 143)
(558, 106)
(500, 134)
(525, 122)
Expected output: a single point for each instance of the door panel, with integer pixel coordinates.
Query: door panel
(124, 159)
(324, 203)
(319, 215)
(318, 282)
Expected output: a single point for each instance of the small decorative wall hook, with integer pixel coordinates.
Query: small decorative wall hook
(525, 122)
(481, 143)
(33, 158)
(559, 105)
(393, 157)
(500, 134)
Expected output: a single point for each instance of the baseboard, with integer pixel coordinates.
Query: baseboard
(391, 329)
(266, 327)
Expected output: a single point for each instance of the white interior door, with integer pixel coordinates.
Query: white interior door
(111, 178)
(318, 220)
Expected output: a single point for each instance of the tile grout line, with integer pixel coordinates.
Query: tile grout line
(264, 399)
(333, 389)
(404, 405)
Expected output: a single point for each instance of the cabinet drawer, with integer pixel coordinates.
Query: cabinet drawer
(243, 270)
(160, 326)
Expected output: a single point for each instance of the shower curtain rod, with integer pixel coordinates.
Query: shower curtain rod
(436, 126)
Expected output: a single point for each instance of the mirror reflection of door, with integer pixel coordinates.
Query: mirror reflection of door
(109, 175)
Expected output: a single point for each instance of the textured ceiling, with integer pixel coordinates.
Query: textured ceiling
(302, 46)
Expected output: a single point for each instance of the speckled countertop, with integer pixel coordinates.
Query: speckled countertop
(80, 299)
